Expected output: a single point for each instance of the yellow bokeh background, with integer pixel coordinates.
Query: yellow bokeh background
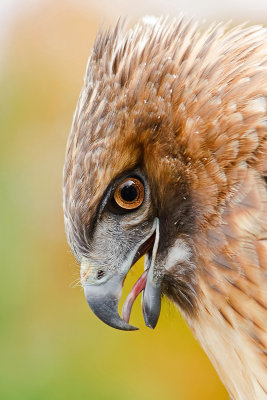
(52, 346)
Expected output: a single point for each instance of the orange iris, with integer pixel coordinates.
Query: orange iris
(130, 193)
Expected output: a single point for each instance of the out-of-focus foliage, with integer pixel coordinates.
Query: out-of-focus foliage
(52, 347)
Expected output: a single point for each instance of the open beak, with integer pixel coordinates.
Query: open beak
(103, 299)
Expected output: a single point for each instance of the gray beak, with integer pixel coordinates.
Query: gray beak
(103, 301)
(103, 297)
(151, 302)
(151, 299)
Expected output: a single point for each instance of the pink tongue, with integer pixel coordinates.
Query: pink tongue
(137, 288)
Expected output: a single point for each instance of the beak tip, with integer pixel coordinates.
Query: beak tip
(134, 328)
(151, 322)
(150, 326)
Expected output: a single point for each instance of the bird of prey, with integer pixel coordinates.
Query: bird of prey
(167, 158)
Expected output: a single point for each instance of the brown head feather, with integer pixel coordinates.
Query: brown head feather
(168, 90)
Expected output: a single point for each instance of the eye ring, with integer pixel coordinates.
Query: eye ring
(129, 194)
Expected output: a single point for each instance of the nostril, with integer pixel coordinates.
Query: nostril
(100, 273)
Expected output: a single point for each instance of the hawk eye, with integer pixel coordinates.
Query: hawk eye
(129, 194)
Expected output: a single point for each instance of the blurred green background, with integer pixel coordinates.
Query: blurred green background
(52, 346)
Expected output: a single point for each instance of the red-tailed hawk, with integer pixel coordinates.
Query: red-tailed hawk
(167, 157)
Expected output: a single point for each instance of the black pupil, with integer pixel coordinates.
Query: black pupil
(129, 192)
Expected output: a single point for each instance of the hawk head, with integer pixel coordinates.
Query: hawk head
(154, 153)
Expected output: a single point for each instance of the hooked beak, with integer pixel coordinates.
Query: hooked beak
(103, 298)
(104, 301)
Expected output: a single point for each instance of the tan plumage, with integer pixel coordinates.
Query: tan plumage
(188, 110)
